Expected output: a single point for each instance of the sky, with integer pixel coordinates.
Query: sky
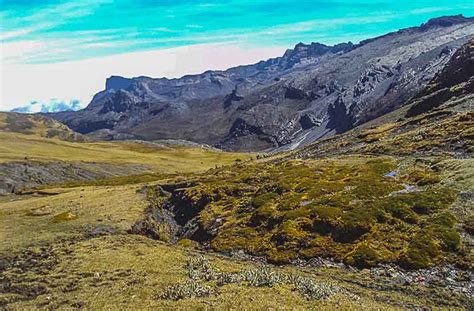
(62, 51)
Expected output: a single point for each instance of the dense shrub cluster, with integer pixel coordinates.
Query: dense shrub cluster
(346, 209)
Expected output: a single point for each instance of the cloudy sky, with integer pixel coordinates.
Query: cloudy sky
(54, 50)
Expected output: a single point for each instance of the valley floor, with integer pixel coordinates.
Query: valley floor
(70, 248)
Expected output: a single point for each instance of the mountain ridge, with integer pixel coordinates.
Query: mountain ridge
(312, 91)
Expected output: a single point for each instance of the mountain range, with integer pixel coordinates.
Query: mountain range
(311, 92)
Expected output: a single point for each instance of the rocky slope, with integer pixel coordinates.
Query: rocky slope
(439, 119)
(311, 92)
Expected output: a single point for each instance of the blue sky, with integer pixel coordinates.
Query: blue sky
(58, 36)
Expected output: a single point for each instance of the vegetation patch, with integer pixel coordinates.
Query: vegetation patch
(189, 289)
(346, 209)
(201, 272)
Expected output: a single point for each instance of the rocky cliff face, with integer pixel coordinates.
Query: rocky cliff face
(455, 80)
(439, 120)
(312, 91)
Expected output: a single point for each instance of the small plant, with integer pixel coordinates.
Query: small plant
(421, 252)
(190, 289)
(317, 291)
(263, 199)
(66, 216)
(262, 276)
(363, 256)
(199, 268)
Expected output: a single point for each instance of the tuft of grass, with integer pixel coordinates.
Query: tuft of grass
(200, 270)
(190, 289)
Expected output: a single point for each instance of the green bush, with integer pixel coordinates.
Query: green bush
(263, 199)
(430, 201)
(357, 222)
(421, 252)
(400, 210)
(363, 256)
(424, 178)
(449, 237)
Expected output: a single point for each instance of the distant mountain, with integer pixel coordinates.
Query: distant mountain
(54, 105)
(311, 92)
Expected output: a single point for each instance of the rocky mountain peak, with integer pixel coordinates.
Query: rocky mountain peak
(117, 83)
(445, 21)
(456, 79)
(317, 49)
(313, 50)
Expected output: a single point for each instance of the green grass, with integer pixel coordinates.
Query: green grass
(340, 207)
(335, 208)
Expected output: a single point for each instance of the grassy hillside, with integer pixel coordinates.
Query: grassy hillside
(15, 147)
(359, 210)
(37, 125)
(71, 249)
(36, 151)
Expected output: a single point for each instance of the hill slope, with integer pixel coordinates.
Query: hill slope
(36, 150)
(439, 119)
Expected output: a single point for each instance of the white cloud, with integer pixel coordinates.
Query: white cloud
(22, 83)
(55, 105)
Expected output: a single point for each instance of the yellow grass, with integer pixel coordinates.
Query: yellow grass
(126, 272)
(16, 146)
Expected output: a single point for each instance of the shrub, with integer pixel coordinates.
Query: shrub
(363, 256)
(381, 166)
(444, 219)
(263, 199)
(429, 201)
(304, 211)
(327, 212)
(327, 219)
(400, 210)
(420, 253)
(289, 202)
(449, 237)
(357, 222)
(424, 178)
(263, 214)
